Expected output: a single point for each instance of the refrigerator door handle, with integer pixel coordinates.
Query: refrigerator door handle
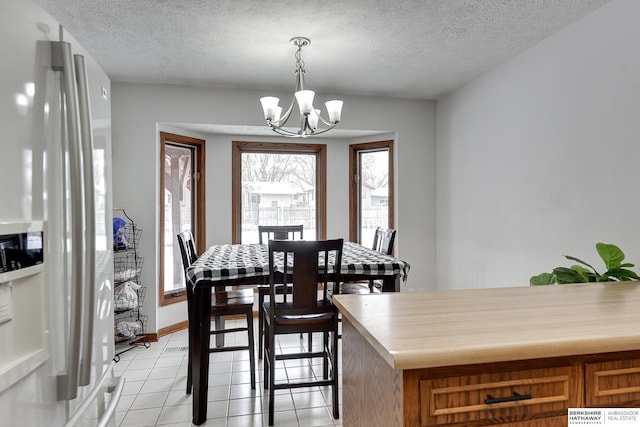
(88, 281)
(62, 60)
(113, 403)
(115, 387)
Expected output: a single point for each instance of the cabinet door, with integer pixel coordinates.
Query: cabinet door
(613, 384)
(500, 397)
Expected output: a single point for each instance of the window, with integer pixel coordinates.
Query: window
(370, 190)
(278, 184)
(183, 208)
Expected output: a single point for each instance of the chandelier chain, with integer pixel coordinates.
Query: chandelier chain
(299, 61)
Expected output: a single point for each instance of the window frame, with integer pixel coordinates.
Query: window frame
(354, 185)
(199, 210)
(240, 147)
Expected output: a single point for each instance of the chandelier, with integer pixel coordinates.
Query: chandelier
(309, 116)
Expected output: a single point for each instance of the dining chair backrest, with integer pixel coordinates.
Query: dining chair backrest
(189, 255)
(188, 252)
(279, 232)
(306, 261)
(234, 303)
(383, 240)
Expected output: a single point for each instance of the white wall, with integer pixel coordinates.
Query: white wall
(539, 157)
(138, 109)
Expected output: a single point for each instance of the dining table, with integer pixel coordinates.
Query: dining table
(248, 264)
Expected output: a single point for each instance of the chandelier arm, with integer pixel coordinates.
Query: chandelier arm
(299, 86)
(304, 125)
(285, 116)
(318, 132)
(326, 122)
(285, 132)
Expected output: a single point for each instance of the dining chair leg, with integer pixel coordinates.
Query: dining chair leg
(326, 356)
(252, 356)
(219, 326)
(266, 355)
(272, 374)
(190, 331)
(260, 324)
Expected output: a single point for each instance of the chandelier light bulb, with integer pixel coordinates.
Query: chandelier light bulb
(334, 109)
(305, 100)
(269, 106)
(313, 119)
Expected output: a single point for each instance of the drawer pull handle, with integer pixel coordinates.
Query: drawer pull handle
(513, 398)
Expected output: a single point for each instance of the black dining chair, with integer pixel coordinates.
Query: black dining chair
(279, 232)
(308, 264)
(223, 303)
(266, 233)
(383, 240)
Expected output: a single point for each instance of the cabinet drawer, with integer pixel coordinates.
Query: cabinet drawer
(499, 397)
(613, 384)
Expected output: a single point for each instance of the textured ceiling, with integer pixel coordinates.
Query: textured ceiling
(400, 48)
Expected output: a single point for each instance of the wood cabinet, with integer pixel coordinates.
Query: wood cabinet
(528, 393)
(450, 358)
(498, 397)
(613, 383)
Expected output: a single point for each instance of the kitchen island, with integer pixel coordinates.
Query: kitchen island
(516, 356)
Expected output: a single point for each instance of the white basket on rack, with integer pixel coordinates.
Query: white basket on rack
(126, 295)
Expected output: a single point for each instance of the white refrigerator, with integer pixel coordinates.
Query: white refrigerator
(56, 274)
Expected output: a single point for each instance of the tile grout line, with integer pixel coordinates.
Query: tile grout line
(235, 363)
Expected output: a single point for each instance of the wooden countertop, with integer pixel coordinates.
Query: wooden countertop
(413, 330)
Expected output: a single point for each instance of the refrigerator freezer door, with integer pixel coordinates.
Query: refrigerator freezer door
(35, 188)
(30, 399)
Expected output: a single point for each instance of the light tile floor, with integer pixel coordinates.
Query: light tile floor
(154, 393)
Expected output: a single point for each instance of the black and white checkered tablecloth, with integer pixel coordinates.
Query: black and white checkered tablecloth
(227, 262)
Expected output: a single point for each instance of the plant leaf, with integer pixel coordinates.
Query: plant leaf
(611, 255)
(572, 258)
(543, 279)
(613, 258)
(570, 275)
(586, 274)
(622, 274)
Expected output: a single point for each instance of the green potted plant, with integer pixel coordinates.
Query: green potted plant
(613, 257)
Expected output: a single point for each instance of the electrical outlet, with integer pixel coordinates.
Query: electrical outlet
(6, 309)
